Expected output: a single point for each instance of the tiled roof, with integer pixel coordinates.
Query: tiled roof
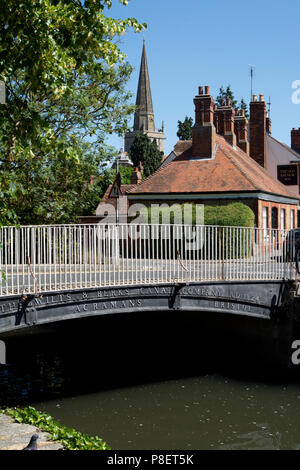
(289, 149)
(112, 200)
(181, 146)
(231, 170)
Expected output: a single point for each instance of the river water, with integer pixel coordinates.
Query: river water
(154, 383)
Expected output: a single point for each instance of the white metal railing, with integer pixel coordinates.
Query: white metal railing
(62, 257)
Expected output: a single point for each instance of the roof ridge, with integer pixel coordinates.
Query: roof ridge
(237, 166)
(285, 146)
(160, 168)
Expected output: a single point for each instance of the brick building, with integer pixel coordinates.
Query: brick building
(279, 160)
(215, 166)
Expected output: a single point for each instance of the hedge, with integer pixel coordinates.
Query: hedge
(230, 243)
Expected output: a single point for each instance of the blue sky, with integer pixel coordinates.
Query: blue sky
(191, 43)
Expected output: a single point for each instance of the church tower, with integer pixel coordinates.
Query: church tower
(144, 115)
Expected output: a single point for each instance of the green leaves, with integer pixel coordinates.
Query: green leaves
(235, 214)
(185, 129)
(69, 438)
(224, 94)
(65, 77)
(145, 151)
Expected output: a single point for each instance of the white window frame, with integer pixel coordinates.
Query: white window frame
(282, 219)
(292, 219)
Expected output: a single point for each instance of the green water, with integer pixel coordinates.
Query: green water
(156, 381)
(209, 412)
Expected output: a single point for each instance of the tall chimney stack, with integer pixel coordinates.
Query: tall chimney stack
(295, 140)
(204, 131)
(258, 115)
(224, 121)
(241, 131)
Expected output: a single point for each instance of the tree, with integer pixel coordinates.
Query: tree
(243, 105)
(65, 76)
(225, 94)
(185, 129)
(144, 150)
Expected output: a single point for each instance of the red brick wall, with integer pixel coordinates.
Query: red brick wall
(255, 204)
(270, 205)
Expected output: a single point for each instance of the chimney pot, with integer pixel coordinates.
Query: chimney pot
(241, 131)
(200, 90)
(207, 90)
(222, 101)
(136, 176)
(261, 97)
(254, 98)
(224, 122)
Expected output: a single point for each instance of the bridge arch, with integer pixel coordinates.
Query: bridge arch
(259, 299)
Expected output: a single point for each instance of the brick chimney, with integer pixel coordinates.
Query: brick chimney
(141, 168)
(241, 130)
(204, 131)
(136, 176)
(295, 140)
(258, 115)
(219, 118)
(224, 121)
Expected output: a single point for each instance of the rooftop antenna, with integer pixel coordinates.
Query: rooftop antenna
(251, 75)
(269, 106)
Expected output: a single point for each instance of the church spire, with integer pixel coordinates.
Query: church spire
(144, 116)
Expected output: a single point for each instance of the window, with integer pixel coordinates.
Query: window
(274, 217)
(282, 219)
(265, 220)
(292, 219)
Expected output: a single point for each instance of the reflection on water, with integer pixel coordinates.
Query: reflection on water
(143, 385)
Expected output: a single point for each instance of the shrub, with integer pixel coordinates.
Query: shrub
(219, 242)
(69, 438)
(235, 214)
